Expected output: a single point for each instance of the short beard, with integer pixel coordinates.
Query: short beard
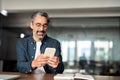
(39, 36)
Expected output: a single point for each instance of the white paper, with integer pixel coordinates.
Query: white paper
(82, 76)
(64, 77)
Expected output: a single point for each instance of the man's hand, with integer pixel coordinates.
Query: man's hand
(53, 61)
(40, 61)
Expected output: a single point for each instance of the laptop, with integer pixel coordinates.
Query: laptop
(8, 77)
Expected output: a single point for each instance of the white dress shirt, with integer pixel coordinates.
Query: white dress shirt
(37, 53)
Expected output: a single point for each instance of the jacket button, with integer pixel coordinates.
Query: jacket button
(34, 48)
(30, 70)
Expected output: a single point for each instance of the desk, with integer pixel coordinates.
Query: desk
(50, 76)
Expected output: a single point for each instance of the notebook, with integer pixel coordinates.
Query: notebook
(8, 77)
(83, 77)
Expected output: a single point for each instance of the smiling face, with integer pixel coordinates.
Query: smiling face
(39, 26)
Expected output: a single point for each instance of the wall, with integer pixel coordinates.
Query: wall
(1, 64)
(8, 47)
(65, 8)
(0, 5)
(53, 4)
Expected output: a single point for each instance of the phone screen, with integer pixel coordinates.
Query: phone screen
(50, 51)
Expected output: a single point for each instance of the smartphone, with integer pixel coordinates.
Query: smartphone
(50, 51)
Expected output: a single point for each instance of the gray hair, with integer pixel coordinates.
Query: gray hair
(38, 13)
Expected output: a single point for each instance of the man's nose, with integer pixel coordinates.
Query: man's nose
(41, 27)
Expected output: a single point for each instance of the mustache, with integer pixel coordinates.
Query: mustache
(41, 31)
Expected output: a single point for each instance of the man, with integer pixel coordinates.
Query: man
(31, 50)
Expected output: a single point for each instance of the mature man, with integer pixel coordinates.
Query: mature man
(31, 50)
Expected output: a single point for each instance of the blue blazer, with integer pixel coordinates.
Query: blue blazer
(26, 48)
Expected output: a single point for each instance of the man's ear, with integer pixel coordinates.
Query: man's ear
(31, 25)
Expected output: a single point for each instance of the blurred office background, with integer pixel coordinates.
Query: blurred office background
(88, 30)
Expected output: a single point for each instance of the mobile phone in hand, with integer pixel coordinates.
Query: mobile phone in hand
(50, 51)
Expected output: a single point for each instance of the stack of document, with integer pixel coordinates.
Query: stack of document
(76, 76)
(64, 76)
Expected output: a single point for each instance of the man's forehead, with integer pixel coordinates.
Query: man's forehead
(40, 19)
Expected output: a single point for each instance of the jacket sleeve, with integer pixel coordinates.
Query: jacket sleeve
(60, 67)
(23, 64)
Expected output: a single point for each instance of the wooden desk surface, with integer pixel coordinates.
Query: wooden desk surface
(38, 76)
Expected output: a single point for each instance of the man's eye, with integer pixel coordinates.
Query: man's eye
(45, 25)
(38, 24)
